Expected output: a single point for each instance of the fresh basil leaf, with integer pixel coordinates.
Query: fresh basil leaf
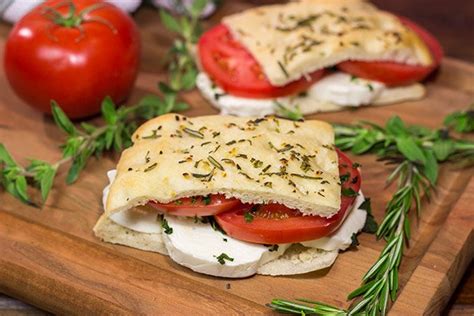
(169, 21)
(410, 149)
(61, 119)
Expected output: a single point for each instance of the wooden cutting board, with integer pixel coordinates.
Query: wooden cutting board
(50, 258)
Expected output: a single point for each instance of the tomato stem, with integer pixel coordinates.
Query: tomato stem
(74, 20)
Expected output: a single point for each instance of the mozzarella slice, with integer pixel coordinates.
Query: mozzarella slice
(140, 220)
(345, 90)
(342, 238)
(143, 221)
(198, 246)
(331, 93)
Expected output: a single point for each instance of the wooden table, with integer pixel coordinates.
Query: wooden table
(452, 23)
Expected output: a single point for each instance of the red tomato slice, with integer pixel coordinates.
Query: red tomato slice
(396, 74)
(277, 224)
(197, 206)
(235, 70)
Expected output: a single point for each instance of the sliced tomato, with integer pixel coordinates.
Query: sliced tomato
(277, 224)
(197, 206)
(236, 71)
(396, 74)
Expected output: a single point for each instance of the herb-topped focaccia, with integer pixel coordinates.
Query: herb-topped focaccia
(234, 196)
(319, 55)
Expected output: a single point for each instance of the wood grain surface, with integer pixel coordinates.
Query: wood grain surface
(51, 259)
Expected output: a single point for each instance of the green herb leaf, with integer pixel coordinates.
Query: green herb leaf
(164, 224)
(108, 111)
(370, 225)
(248, 217)
(348, 192)
(410, 149)
(223, 257)
(443, 148)
(169, 21)
(5, 156)
(285, 112)
(61, 119)
(461, 121)
(354, 241)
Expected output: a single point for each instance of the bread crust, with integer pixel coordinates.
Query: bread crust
(255, 160)
(294, 39)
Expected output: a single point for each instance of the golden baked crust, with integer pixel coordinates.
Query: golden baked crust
(255, 160)
(291, 40)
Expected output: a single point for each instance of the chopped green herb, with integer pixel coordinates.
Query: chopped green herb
(344, 177)
(151, 167)
(283, 69)
(305, 176)
(248, 217)
(370, 225)
(167, 229)
(354, 241)
(207, 199)
(223, 257)
(348, 192)
(215, 163)
(193, 132)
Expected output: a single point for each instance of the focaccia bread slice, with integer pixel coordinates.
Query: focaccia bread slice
(291, 40)
(257, 160)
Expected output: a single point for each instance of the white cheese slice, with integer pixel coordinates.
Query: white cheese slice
(345, 90)
(198, 247)
(342, 238)
(332, 93)
(134, 219)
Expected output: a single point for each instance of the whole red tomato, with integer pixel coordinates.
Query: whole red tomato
(74, 52)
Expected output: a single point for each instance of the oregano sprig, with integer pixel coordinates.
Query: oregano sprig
(84, 141)
(182, 67)
(415, 152)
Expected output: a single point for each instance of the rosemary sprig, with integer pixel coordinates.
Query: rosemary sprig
(83, 142)
(182, 67)
(415, 151)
